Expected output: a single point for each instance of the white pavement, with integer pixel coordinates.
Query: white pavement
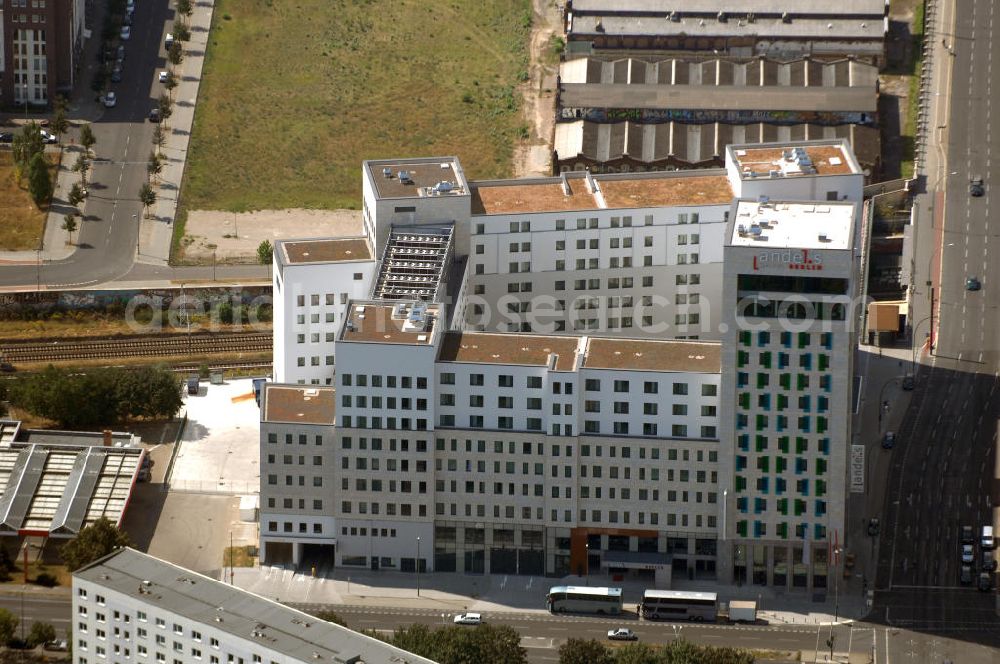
(156, 231)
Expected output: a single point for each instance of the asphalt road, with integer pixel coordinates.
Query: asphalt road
(107, 237)
(55, 611)
(942, 472)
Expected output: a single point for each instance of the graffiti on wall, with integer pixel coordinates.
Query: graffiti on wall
(705, 116)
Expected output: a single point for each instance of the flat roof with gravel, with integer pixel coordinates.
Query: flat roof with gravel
(521, 349)
(333, 250)
(301, 404)
(640, 355)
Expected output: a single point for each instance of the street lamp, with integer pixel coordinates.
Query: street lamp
(25, 88)
(586, 562)
(913, 357)
(38, 270)
(418, 567)
(138, 232)
(883, 403)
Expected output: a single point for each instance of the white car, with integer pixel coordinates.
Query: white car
(47, 137)
(110, 100)
(622, 634)
(126, 33)
(163, 76)
(968, 555)
(130, 6)
(468, 619)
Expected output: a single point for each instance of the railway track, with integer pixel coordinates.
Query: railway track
(61, 350)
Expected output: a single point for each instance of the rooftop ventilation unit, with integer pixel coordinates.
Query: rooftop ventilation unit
(742, 230)
(786, 18)
(675, 17)
(722, 17)
(823, 237)
(387, 172)
(404, 177)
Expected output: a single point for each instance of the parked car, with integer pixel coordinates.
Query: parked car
(987, 563)
(888, 440)
(972, 284)
(968, 554)
(120, 52)
(965, 575)
(985, 582)
(968, 536)
(154, 115)
(110, 100)
(168, 41)
(976, 186)
(6, 137)
(468, 619)
(116, 75)
(908, 383)
(130, 6)
(163, 76)
(7, 367)
(59, 645)
(192, 385)
(48, 137)
(126, 32)
(874, 527)
(622, 634)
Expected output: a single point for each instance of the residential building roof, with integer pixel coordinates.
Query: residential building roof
(791, 161)
(325, 250)
(734, 7)
(242, 614)
(515, 349)
(401, 322)
(792, 225)
(417, 178)
(653, 355)
(298, 404)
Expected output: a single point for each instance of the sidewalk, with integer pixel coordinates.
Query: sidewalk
(157, 231)
(451, 593)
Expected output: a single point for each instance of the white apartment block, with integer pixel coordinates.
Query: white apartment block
(132, 607)
(604, 434)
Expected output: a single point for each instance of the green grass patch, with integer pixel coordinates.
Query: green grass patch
(237, 556)
(22, 223)
(296, 95)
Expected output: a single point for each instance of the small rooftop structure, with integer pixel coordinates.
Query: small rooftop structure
(298, 404)
(793, 225)
(400, 322)
(414, 263)
(55, 483)
(270, 626)
(323, 250)
(417, 178)
(573, 192)
(807, 159)
(653, 355)
(558, 353)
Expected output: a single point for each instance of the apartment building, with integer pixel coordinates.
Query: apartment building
(42, 42)
(791, 309)
(130, 606)
(518, 445)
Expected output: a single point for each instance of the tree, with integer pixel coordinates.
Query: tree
(175, 54)
(166, 106)
(60, 124)
(69, 225)
(584, 651)
(147, 197)
(265, 252)
(87, 138)
(455, 645)
(81, 166)
(8, 626)
(76, 195)
(159, 138)
(39, 180)
(26, 145)
(330, 617)
(155, 165)
(170, 83)
(185, 8)
(637, 653)
(181, 31)
(95, 541)
(40, 634)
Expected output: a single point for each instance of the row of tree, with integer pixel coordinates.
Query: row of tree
(98, 397)
(40, 633)
(590, 651)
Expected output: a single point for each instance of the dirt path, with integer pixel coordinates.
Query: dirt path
(533, 156)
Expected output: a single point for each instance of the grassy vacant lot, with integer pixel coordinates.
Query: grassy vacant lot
(21, 222)
(296, 94)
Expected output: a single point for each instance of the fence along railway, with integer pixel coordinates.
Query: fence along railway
(112, 348)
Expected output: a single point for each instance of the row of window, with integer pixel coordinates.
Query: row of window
(781, 530)
(588, 517)
(583, 223)
(329, 299)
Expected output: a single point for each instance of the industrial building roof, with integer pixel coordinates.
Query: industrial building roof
(616, 191)
(734, 7)
(271, 626)
(515, 349)
(696, 143)
(298, 404)
(391, 322)
(417, 178)
(653, 355)
(325, 250)
(763, 27)
(792, 225)
(55, 483)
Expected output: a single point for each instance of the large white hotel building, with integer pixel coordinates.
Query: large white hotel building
(643, 371)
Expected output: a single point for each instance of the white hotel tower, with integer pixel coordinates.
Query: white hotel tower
(637, 371)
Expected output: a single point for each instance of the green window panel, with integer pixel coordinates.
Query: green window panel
(740, 484)
(804, 339)
(785, 380)
(783, 444)
(783, 506)
(782, 401)
(824, 362)
(780, 464)
(742, 358)
(820, 487)
(761, 443)
(801, 444)
(761, 422)
(744, 400)
(741, 528)
(745, 337)
(764, 464)
(782, 530)
(802, 381)
(821, 466)
(821, 424)
(800, 507)
(765, 359)
(763, 380)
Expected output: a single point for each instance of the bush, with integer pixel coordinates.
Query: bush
(40, 634)
(47, 580)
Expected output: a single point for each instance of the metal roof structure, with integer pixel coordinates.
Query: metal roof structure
(263, 622)
(55, 483)
(414, 262)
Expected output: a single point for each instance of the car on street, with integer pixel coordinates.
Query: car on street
(985, 582)
(120, 52)
(6, 137)
(154, 115)
(130, 6)
(168, 41)
(976, 188)
(48, 137)
(60, 645)
(908, 383)
(468, 619)
(987, 563)
(972, 284)
(968, 554)
(622, 634)
(128, 18)
(888, 440)
(126, 32)
(965, 575)
(163, 76)
(110, 100)
(116, 75)
(968, 536)
(874, 527)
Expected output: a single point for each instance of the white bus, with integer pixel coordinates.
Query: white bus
(679, 605)
(584, 599)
